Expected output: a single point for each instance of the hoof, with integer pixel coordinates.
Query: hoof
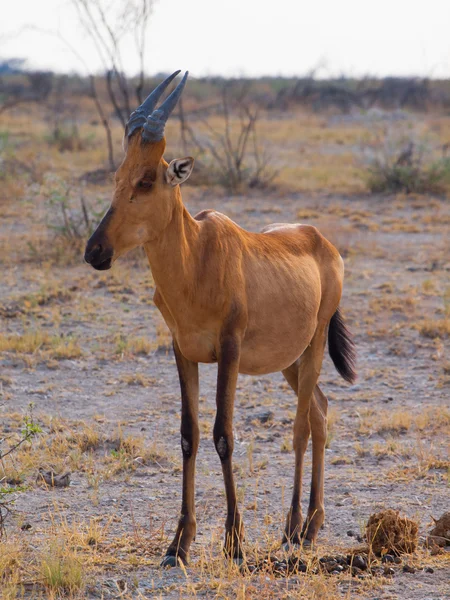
(172, 561)
(296, 546)
(291, 546)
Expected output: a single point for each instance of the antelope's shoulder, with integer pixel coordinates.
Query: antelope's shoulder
(214, 216)
(215, 226)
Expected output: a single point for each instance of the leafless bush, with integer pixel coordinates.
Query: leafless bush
(68, 214)
(62, 116)
(107, 28)
(231, 156)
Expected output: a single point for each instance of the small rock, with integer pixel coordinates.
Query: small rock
(397, 560)
(351, 533)
(408, 569)
(26, 526)
(296, 564)
(13, 480)
(280, 566)
(359, 561)
(331, 566)
(429, 570)
(388, 571)
(355, 571)
(263, 417)
(327, 559)
(387, 558)
(341, 560)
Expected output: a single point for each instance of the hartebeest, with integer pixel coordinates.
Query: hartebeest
(254, 303)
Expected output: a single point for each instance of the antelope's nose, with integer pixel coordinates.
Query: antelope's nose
(98, 255)
(92, 252)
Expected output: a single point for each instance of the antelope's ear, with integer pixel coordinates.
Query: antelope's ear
(179, 170)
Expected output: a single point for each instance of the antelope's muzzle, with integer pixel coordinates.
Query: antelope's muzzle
(98, 254)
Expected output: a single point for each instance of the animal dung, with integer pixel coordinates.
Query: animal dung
(388, 532)
(440, 534)
(51, 479)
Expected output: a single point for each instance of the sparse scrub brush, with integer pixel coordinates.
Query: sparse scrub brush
(404, 164)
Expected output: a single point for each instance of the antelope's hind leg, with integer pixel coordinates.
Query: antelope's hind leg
(316, 509)
(188, 374)
(310, 418)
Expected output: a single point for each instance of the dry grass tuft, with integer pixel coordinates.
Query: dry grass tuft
(437, 328)
(42, 343)
(388, 532)
(61, 571)
(28, 343)
(87, 439)
(399, 421)
(137, 346)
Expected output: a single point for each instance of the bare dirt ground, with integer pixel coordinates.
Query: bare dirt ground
(110, 414)
(92, 355)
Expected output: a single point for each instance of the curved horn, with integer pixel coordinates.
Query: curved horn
(139, 116)
(153, 129)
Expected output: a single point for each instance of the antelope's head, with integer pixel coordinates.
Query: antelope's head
(145, 185)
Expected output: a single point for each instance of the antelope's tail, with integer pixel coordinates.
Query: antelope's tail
(341, 347)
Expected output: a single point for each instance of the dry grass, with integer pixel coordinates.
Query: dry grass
(400, 421)
(41, 343)
(435, 328)
(133, 345)
(61, 571)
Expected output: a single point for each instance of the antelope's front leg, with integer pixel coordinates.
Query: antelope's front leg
(188, 374)
(228, 366)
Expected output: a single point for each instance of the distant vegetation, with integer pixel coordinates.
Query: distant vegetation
(273, 93)
(221, 121)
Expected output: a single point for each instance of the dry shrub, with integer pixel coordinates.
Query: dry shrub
(402, 164)
(387, 531)
(435, 328)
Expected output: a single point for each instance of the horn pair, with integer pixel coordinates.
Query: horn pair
(153, 121)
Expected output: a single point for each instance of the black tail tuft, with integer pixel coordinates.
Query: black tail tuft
(341, 347)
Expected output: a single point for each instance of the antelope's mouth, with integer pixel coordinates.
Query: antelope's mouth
(98, 257)
(103, 265)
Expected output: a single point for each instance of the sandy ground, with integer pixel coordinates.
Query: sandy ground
(388, 432)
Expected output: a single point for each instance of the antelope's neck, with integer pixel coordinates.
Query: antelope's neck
(172, 255)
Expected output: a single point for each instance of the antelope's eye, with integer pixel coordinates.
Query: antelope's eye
(144, 184)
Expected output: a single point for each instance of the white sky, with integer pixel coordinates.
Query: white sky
(250, 37)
